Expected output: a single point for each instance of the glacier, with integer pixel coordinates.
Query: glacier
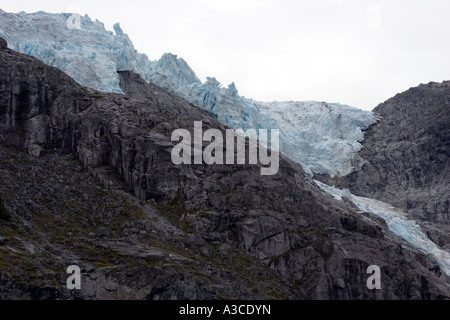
(323, 137)
(397, 222)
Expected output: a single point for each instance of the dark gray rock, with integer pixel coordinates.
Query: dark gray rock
(285, 237)
(102, 232)
(3, 44)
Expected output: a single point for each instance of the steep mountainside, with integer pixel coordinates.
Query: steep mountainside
(158, 230)
(322, 137)
(407, 158)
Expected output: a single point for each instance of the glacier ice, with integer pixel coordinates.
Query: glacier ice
(323, 137)
(397, 222)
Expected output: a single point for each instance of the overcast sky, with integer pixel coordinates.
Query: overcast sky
(353, 52)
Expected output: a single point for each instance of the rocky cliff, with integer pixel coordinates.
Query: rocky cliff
(407, 158)
(323, 137)
(87, 179)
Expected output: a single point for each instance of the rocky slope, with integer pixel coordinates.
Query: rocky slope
(407, 157)
(88, 179)
(322, 137)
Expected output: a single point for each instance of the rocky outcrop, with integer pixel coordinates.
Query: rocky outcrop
(322, 137)
(407, 157)
(172, 231)
(3, 44)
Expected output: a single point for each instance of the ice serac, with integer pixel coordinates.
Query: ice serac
(176, 68)
(323, 137)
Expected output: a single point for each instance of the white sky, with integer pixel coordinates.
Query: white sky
(355, 52)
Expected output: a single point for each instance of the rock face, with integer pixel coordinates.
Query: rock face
(323, 137)
(157, 230)
(3, 44)
(407, 157)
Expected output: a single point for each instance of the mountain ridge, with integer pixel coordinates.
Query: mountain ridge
(92, 55)
(252, 236)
